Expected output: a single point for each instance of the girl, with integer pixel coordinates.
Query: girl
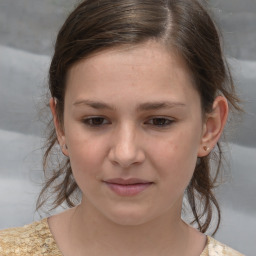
(140, 94)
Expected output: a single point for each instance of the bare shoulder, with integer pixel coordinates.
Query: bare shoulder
(31, 239)
(216, 248)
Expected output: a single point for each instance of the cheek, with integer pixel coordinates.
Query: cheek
(86, 153)
(86, 158)
(175, 157)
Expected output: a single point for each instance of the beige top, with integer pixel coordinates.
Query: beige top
(36, 239)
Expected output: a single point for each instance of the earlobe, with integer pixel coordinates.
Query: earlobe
(57, 125)
(213, 126)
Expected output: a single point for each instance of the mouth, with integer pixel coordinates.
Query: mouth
(128, 187)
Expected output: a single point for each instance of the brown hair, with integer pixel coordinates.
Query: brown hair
(183, 25)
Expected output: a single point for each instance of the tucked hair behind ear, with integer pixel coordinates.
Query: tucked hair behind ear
(183, 26)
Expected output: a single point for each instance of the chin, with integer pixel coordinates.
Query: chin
(129, 217)
(129, 221)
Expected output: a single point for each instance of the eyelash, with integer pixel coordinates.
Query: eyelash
(89, 121)
(164, 121)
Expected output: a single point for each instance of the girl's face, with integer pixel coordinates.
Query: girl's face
(133, 128)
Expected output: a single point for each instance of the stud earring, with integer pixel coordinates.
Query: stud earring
(206, 148)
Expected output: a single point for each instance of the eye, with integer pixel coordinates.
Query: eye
(95, 121)
(160, 121)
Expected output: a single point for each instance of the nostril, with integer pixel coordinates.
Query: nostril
(126, 149)
(126, 158)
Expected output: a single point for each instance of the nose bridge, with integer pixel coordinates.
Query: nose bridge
(126, 140)
(126, 148)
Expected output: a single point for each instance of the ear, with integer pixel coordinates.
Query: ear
(59, 131)
(213, 126)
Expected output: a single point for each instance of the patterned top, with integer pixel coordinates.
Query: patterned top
(36, 239)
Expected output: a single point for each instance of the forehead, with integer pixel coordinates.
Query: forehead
(148, 68)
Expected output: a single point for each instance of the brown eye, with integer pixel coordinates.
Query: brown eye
(160, 121)
(95, 121)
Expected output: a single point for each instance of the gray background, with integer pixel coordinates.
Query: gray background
(27, 32)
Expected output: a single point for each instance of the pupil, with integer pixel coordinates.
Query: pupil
(159, 121)
(97, 121)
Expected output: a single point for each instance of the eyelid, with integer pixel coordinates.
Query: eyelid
(88, 119)
(168, 119)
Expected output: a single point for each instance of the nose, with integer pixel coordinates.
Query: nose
(125, 148)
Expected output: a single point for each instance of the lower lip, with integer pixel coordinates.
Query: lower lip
(128, 190)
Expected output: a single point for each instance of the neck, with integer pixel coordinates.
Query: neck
(164, 235)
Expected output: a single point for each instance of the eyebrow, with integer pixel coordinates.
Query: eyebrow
(159, 105)
(94, 104)
(141, 107)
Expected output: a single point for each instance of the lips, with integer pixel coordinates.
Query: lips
(127, 187)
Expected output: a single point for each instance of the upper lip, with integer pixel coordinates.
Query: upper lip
(130, 181)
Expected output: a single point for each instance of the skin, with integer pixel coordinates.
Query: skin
(126, 140)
